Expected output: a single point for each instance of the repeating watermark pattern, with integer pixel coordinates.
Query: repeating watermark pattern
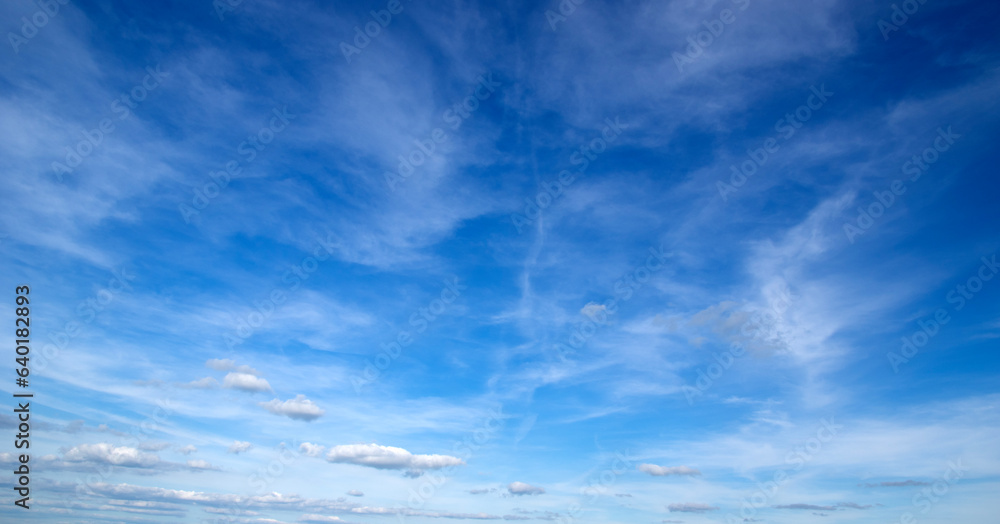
(454, 117)
(958, 297)
(786, 127)
(796, 459)
(123, 106)
(86, 312)
(31, 26)
(566, 9)
(550, 191)
(133, 439)
(419, 320)
(597, 485)
(915, 167)
(698, 43)
(600, 314)
(261, 480)
(246, 325)
(899, 17)
(464, 449)
(249, 148)
(759, 328)
(224, 7)
(372, 29)
(926, 498)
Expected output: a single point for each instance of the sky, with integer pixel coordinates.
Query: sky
(571, 261)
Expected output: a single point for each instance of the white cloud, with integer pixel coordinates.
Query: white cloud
(238, 447)
(110, 454)
(298, 408)
(312, 450)
(201, 465)
(245, 382)
(201, 383)
(319, 519)
(520, 488)
(388, 457)
(356, 493)
(187, 450)
(227, 364)
(663, 471)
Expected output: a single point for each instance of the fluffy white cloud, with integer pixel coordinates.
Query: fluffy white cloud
(187, 450)
(356, 493)
(110, 454)
(238, 447)
(663, 471)
(298, 408)
(520, 488)
(312, 450)
(245, 382)
(382, 457)
(226, 364)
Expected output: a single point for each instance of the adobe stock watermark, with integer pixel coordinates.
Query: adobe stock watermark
(420, 320)
(566, 9)
(786, 127)
(926, 498)
(899, 17)
(123, 106)
(136, 435)
(224, 7)
(600, 314)
(260, 481)
(550, 191)
(598, 485)
(757, 328)
(246, 325)
(249, 148)
(958, 297)
(701, 41)
(31, 26)
(454, 117)
(796, 459)
(915, 167)
(380, 20)
(86, 312)
(464, 449)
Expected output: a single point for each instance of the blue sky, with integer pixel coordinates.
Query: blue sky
(606, 262)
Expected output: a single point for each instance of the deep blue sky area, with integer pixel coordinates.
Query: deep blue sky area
(563, 261)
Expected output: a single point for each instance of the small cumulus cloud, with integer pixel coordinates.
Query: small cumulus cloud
(298, 408)
(110, 454)
(201, 465)
(245, 382)
(187, 450)
(663, 471)
(382, 457)
(521, 488)
(238, 447)
(227, 364)
(356, 493)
